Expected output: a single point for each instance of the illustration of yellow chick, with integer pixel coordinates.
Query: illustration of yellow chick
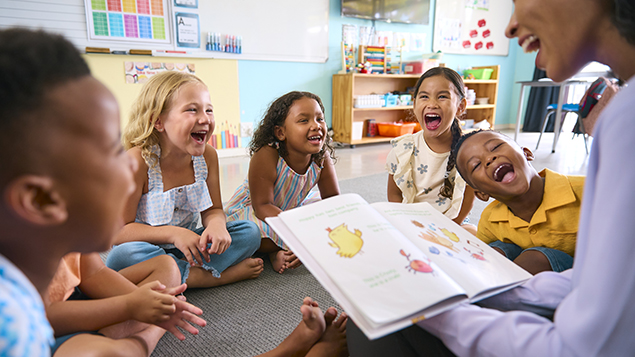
(453, 237)
(349, 243)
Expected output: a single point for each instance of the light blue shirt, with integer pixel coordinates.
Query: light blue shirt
(594, 302)
(24, 329)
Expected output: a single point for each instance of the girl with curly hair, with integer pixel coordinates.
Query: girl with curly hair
(290, 154)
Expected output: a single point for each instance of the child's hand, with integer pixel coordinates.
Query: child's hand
(291, 260)
(219, 238)
(148, 304)
(184, 316)
(189, 244)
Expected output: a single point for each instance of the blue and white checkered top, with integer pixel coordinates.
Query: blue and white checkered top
(180, 206)
(24, 330)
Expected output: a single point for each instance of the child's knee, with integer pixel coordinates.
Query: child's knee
(130, 253)
(168, 266)
(246, 235)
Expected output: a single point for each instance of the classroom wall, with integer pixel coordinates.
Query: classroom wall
(242, 90)
(262, 81)
(221, 77)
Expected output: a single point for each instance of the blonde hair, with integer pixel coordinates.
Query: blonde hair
(154, 99)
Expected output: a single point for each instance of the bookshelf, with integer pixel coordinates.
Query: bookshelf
(347, 86)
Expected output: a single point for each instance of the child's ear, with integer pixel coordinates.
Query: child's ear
(528, 154)
(279, 132)
(159, 125)
(461, 109)
(35, 199)
(481, 195)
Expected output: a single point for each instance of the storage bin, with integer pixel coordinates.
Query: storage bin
(479, 73)
(395, 129)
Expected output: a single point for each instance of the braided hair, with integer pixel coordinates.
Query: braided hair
(451, 75)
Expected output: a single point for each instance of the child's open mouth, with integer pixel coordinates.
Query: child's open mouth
(432, 121)
(199, 136)
(315, 139)
(504, 173)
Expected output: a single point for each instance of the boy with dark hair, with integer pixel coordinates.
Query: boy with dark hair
(534, 219)
(64, 182)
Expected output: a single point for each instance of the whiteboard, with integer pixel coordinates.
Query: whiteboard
(474, 27)
(280, 30)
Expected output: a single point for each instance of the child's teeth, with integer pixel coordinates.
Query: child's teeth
(527, 43)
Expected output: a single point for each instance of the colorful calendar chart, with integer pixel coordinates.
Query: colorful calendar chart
(128, 20)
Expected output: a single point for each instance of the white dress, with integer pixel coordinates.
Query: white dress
(419, 173)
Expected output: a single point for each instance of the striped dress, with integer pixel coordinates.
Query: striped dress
(290, 190)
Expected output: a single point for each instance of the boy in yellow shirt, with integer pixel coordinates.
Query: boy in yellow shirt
(534, 218)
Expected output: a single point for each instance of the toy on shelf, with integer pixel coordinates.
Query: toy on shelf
(376, 55)
(365, 67)
(348, 58)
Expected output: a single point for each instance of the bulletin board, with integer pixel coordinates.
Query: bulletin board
(473, 27)
(136, 21)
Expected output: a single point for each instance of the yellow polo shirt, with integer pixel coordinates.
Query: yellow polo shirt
(553, 225)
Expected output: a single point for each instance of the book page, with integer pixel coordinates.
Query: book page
(378, 270)
(475, 266)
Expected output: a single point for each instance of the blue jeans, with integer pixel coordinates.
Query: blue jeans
(245, 241)
(559, 260)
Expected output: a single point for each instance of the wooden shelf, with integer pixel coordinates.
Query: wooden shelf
(402, 107)
(480, 106)
(347, 86)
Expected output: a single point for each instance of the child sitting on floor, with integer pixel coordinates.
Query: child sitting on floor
(64, 182)
(419, 167)
(178, 189)
(95, 309)
(290, 154)
(534, 219)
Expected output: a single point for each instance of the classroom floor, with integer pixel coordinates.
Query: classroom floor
(570, 158)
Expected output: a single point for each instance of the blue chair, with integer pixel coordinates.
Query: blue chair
(566, 108)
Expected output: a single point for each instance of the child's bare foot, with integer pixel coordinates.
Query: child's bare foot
(307, 333)
(292, 261)
(278, 261)
(249, 268)
(333, 340)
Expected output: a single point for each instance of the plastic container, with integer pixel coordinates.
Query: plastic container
(480, 73)
(395, 129)
(391, 100)
(483, 100)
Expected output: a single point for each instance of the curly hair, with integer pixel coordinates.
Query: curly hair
(457, 81)
(277, 113)
(154, 99)
(32, 65)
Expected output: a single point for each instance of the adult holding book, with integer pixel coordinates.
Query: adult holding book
(587, 310)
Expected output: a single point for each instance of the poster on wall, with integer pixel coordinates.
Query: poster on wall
(145, 21)
(188, 30)
(474, 27)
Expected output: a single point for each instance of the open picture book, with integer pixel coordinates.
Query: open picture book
(390, 265)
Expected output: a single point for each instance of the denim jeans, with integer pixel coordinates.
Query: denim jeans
(245, 241)
(559, 260)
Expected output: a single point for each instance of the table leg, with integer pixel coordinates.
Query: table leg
(520, 110)
(558, 121)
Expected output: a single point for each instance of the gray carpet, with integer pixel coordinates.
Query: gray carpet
(252, 317)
